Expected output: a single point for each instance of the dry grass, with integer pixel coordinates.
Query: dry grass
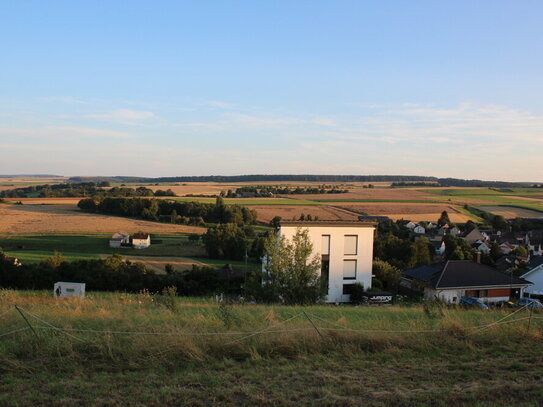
(412, 211)
(266, 213)
(358, 192)
(67, 218)
(511, 213)
(454, 365)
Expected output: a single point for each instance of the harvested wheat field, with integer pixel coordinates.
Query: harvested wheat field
(416, 212)
(68, 219)
(45, 201)
(357, 192)
(266, 213)
(509, 212)
(215, 188)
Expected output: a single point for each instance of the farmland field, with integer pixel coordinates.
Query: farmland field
(411, 211)
(60, 215)
(266, 213)
(140, 351)
(69, 219)
(509, 212)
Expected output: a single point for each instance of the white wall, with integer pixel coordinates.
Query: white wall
(364, 256)
(536, 277)
(449, 295)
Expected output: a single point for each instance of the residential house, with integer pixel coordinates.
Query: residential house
(454, 231)
(119, 239)
(410, 225)
(12, 260)
(439, 247)
(535, 247)
(346, 252)
(453, 279)
(443, 230)
(141, 240)
(507, 247)
(535, 274)
(482, 247)
(473, 236)
(418, 229)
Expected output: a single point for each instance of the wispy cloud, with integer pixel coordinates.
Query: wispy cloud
(62, 133)
(123, 115)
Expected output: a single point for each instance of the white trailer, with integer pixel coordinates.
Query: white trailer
(65, 289)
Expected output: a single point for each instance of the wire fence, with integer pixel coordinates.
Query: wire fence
(278, 327)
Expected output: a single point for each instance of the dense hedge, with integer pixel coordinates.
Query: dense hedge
(171, 211)
(114, 274)
(83, 189)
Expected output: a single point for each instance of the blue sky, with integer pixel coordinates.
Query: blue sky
(237, 87)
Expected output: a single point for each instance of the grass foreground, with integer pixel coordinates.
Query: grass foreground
(145, 350)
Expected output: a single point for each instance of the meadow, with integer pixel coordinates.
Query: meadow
(118, 349)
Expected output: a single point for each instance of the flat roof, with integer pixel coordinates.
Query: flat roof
(334, 223)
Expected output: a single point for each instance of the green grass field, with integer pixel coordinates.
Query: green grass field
(193, 352)
(504, 196)
(36, 248)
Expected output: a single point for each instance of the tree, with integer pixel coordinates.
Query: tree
(275, 222)
(498, 222)
(226, 240)
(55, 260)
(495, 251)
(387, 274)
(457, 248)
(443, 219)
(421, 253)
(292, 273)
(520, 251)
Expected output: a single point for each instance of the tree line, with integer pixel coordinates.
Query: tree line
(83, 189)
(115, 274)
(194, 213)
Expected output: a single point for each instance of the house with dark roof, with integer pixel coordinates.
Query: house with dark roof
(453, 279)
(473, 236)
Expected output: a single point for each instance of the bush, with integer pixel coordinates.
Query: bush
(357, 293)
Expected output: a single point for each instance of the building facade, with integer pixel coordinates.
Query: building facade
(345, 249)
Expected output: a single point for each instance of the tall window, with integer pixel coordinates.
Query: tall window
(325, 250)
(349, 269)
(350, 244)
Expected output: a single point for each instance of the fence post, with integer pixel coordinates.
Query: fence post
(26, 320)
(530, 319)
(314, 326)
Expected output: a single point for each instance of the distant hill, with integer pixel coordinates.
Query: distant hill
(446, 182)
(30, 176)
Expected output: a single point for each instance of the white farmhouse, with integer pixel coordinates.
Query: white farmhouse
(345, 249)
(141, 240)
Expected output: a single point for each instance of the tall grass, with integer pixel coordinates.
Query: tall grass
(169, 330)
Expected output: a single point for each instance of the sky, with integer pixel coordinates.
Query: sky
(166, 88)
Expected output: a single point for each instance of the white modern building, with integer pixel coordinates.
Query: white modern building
(345, 249)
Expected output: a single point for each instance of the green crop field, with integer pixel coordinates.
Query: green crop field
(143, 350)
(35, 248)
(528, 198)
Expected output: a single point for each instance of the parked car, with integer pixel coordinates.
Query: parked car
(472, 302)
(529, 302)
